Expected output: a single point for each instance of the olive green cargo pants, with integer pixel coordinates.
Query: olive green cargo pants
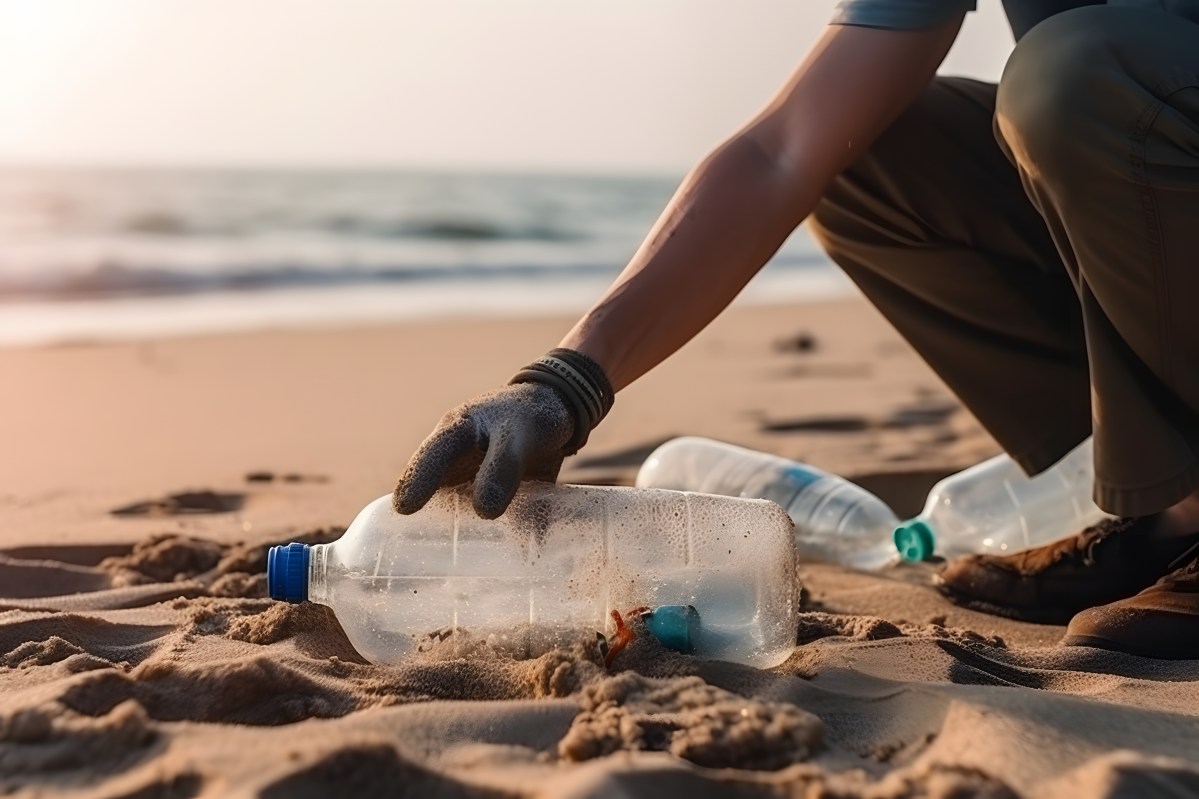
(1038, 243)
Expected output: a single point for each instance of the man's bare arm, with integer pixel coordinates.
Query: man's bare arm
(737, 207)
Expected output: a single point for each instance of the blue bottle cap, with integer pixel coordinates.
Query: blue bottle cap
(675, 626)
(915, 540)
(287, 572)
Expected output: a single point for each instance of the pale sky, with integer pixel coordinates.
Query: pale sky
(513, 84)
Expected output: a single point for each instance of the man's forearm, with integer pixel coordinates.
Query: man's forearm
(728, 218)
(737, 207)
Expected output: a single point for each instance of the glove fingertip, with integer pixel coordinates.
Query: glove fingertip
(427, 469)
(409, 497)
(500, 474)
(492, 497)
(401, 502)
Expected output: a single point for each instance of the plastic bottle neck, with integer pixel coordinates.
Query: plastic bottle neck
(318, 586)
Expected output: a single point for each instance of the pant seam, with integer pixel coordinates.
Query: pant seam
(1154, 235)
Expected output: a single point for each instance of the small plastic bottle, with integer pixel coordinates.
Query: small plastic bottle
(716, 576)
(835, 520)
(993, 507)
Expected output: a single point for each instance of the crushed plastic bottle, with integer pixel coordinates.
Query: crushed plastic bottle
(835, 520)
(993, 507)
(715, 576)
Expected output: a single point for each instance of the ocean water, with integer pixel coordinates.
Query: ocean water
(102, 254)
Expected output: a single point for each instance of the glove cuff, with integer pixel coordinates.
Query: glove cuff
(582, 383)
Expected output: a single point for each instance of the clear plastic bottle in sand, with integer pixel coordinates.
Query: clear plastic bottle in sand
(710, 575)
(835, 520)
(993, 507)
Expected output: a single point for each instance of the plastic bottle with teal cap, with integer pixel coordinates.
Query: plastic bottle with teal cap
(835, 520)
(994, 507)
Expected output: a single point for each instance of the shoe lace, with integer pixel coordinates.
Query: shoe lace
(1096, 534)
(1084, 546)
(1183, 570)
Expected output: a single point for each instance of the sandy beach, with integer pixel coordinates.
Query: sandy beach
(143, 481)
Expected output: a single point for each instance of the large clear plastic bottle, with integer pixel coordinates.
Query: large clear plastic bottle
(719, 574)
(993, 507)
(835, 520)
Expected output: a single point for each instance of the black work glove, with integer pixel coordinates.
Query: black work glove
(521, 431)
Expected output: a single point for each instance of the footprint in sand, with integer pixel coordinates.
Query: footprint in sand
(922, 415)
(290, 477)
(803, 342)
(184, 503)
(821, 424)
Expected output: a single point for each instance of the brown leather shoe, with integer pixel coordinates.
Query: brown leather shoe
(1160, 622)
(1111, 560)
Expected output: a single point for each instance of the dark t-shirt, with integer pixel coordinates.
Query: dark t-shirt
(1023, 14)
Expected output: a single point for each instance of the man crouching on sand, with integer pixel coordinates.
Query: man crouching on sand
(1037, 241)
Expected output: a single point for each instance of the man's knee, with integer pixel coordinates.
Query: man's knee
(1061, 90)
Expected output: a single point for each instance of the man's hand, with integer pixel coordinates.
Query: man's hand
(518, 432)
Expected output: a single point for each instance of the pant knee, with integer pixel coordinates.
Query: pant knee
(1059, 90)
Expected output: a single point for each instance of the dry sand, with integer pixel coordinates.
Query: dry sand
(139, 657)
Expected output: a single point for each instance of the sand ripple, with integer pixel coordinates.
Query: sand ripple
(169, 674)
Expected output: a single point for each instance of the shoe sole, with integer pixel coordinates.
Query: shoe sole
(1050, 615)
(1094, 642)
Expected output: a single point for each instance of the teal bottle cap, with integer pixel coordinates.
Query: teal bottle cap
(675, 626)
(915, 540)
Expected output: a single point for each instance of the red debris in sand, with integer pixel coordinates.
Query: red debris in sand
(624, 635)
